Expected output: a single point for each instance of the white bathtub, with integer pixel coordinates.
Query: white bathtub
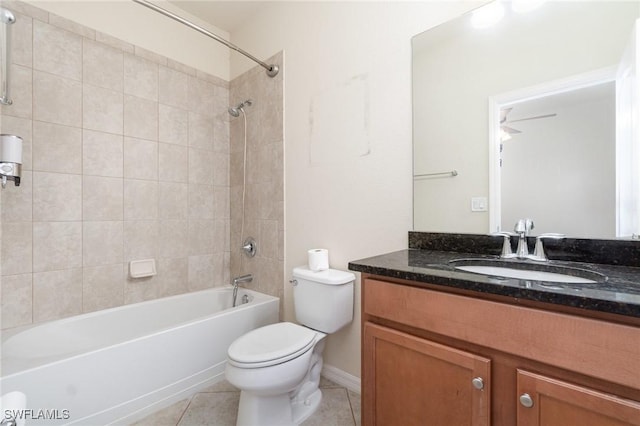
(120, 364)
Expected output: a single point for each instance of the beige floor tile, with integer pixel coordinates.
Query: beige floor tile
(334, 409)
(169, 416)
(222, 386)
(212, 409)
(354, 400)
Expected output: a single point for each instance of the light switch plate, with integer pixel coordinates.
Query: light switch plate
(479, 204)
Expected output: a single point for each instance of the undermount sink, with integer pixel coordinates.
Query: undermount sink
(528, 271)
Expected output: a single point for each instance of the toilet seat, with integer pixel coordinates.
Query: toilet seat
(271, 345)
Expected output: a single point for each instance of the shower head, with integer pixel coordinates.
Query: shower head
(235, 111)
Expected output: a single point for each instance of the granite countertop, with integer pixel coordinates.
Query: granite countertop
(618, 294)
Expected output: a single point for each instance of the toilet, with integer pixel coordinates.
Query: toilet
(277, 367)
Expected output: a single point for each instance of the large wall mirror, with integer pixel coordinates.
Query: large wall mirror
(531, 117)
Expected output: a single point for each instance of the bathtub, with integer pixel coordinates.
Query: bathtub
(118, 365)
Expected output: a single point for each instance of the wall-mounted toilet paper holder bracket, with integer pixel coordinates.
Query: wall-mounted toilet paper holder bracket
(10, 171)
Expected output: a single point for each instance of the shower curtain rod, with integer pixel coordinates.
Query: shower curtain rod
(272, 70)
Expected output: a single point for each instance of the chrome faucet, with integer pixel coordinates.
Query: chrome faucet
(539, 253)
(522, 228)
(241, 279)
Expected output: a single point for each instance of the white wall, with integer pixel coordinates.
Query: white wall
(348, 154)
(143, 27)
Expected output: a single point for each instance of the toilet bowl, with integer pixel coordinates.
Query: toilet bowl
(277, 367)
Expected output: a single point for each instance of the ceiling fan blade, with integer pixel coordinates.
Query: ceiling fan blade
(533, 118)
(503, 114)
(510, 130)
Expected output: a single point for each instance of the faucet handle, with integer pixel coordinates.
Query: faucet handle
(538, 253)
(506, 243)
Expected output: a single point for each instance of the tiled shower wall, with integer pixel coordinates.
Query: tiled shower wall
(264, 198)
(126, 156)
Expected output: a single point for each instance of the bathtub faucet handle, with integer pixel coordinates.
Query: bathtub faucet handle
(243, 279)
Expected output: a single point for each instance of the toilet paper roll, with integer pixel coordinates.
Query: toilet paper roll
(318, 259)
(10, 149)
(13, 404)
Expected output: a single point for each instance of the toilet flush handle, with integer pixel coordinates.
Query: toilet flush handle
(294, 282)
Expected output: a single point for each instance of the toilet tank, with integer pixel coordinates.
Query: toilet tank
(323, 300)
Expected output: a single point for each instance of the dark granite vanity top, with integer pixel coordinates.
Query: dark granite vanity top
(618, 294)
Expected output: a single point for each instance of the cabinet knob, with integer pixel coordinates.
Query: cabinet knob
(478, 383)
(526, 400)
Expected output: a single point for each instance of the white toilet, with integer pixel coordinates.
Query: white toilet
(277, 367)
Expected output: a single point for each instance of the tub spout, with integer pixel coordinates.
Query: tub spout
(241, 279)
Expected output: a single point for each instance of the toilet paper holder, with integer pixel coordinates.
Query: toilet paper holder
(10, 159)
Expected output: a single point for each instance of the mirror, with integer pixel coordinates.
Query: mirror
(533, 64)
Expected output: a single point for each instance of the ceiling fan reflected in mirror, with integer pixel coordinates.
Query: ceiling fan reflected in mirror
(507, 131)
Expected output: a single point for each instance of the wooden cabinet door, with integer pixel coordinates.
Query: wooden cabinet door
(412, 381)
(550, 402)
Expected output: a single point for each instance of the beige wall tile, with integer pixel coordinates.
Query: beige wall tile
(102, 243)
(57, 245)
(201, 234)
(140, 118)
(22, 39)
(102, 198)
(200, 166)
(201, 272)
(102, 109)
(102, 287)
(140, 240)
(221, 100)
(102, 154)
(140, 200)
(221, 169)
(17, 256)
(150, 56)
(140, 77)
(114, 42)
(173, 125)
(57, 294)
(102, 65)
(173, 238)
(173, 88)
(21, 127)
(57, 51)
(201, 201)
(173, 201)
(17, 302)
(173, 163)
(201, 131)
(57, 99)
(57, 197)
(56, 148)
(140, 159)
(221, 202)
(220, 135)
(201, 96)
(17, 201)
(21, 94)
(72, 26)
(172, 274)
(269, 239)
(220, 236)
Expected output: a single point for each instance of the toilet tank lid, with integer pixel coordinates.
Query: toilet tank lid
(329, 276)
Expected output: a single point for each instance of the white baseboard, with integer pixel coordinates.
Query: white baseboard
(341, 378)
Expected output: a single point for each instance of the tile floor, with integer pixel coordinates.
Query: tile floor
(217, 406)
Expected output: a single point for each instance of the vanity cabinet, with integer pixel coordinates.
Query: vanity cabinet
(414, 381)
(431, 357)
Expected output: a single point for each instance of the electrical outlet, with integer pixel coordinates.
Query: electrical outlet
(479, 204)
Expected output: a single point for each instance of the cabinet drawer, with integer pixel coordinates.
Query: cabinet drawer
(595, 348)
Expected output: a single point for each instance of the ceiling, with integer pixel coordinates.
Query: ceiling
(226, 15)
